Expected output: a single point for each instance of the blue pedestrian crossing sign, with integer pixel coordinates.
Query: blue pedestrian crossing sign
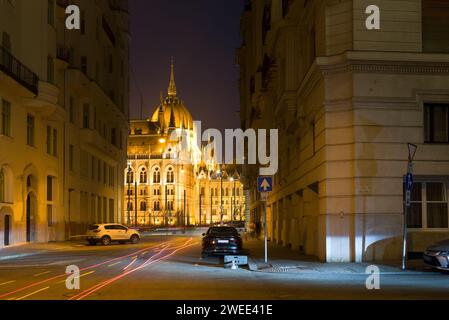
(265, 184)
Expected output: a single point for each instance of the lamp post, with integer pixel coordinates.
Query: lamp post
(409, 187)
(128, 180)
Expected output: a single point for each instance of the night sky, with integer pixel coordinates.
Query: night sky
(202, 36)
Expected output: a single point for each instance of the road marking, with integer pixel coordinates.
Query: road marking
(33, 293)
(114, 264)
(41, 274)
(5, 283)
(132, 262)
(83, 275)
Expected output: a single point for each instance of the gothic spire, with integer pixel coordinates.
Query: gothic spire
(172, 85)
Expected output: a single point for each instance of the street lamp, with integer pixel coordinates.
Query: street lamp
(128, 180)
(409, 187)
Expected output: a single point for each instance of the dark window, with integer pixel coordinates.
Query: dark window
(30, 130)
(71, 158)
(436, 123)
(6, 118)
(49, 140)
(437, 214)
(2, 186)
(86, 116)
(84, 65)
(51, 12)
(50, 70)
(55, 142)
(435, 26)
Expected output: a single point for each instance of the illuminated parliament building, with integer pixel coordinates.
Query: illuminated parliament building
(167, 181)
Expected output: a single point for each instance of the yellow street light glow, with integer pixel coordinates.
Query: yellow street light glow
(162, 140)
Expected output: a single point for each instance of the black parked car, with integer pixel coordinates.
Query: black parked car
(221, 241)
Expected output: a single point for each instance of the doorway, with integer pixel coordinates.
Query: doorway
(7, 224)
(31, 213)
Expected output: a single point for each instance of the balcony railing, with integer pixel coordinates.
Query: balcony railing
(148, 157)
(19, 72)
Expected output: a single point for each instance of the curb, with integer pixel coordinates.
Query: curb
(16, 256)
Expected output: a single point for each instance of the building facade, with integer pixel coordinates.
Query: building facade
(347, 101)
(63, 100)
(168, 181)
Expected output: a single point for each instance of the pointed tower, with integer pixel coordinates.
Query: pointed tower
(172, 92)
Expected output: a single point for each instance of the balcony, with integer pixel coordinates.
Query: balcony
(19, 72)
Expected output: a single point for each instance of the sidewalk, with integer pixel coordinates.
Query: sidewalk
(32, 249)
(285, 260)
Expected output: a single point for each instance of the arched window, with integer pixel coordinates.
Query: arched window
(156, 176)
(143, 206)
(157, 206)
(130, 206)
(2, 186)
(170, 176)
(143, 176)
(129, 177)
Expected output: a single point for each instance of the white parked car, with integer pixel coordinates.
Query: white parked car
(106, 233)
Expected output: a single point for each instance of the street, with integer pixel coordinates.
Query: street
(170, 267)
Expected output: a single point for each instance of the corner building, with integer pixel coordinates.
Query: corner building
(347, 100)
(63, 109)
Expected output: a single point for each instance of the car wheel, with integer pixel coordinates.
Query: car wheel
(105, 241)
(134, 239)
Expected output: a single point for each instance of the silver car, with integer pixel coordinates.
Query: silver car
(437, 255)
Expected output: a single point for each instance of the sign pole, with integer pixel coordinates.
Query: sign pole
(265, 230)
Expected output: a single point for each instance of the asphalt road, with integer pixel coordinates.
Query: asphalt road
(171, 268)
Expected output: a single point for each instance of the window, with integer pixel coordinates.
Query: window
(6, 119)
(49, 189)
(50, 215)
(157, 206)
(50, 70)
(51, 12)
(130, 206)
(436, 123)
(6, 41)
(71, 158)
(72, 110)
(2, 186)
(50, 201)
(55, 142)
(129, 177)
(437, 214)
(143, 206)
(83, 23)
(143, 176)
(86, 116)
(429, 206)
(170, 192)
(157, 192)
(170, 176)
(114, 136)
(435, 26)
(30, 130)
(156, 176)
(49, 140)
(84, 65)
(170, 205)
